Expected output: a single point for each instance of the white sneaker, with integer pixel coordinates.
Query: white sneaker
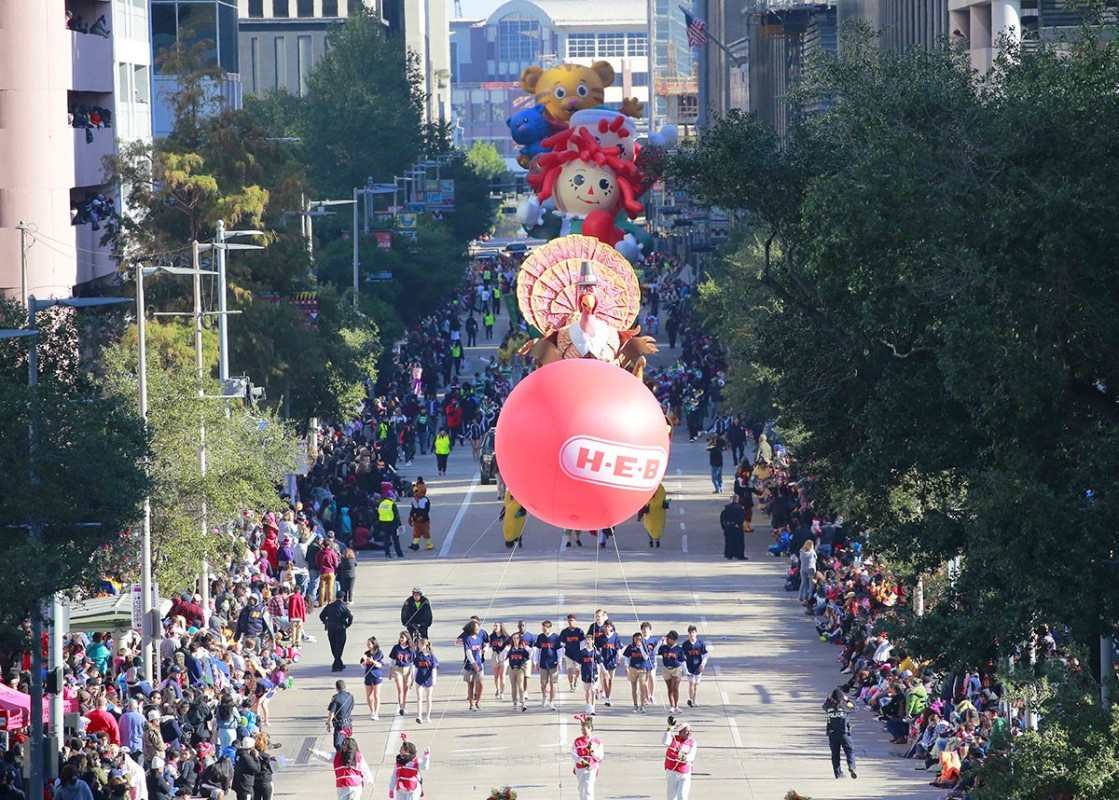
(552, 706)
(427, 720)
(374, 717)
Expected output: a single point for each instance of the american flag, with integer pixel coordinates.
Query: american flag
(697, 30)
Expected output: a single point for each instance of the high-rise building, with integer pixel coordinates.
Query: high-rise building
(74, 77)
(279, 41)
(425, 26)
(672, 64)
(900, 24)
(488, 56)
(209, 23)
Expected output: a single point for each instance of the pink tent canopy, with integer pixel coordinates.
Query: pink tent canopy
(18, 704)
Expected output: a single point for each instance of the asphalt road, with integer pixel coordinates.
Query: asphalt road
(759, 725)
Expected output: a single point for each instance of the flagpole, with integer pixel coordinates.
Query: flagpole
(732, 59)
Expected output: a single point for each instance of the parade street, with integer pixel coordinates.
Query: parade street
(759, 725)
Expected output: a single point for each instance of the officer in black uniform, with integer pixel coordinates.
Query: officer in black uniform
(837, 707)
(336, 616)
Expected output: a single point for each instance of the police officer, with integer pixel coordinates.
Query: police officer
(837, 707)
(388, 519)
(337, 618)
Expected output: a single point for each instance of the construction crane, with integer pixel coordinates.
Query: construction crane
(458, 9)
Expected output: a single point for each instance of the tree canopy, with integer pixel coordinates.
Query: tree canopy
(927, 295)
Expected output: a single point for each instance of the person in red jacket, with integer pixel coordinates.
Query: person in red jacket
(297, 614)
(678, 758)
(101, 720)
(453, 412)
(270, 548)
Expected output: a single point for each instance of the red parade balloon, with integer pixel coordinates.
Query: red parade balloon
(600, 225)
(582, 444)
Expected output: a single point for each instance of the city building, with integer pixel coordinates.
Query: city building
(74, 77)
(212, 24)
(725, 81)
(488, 56)
(280, 41)
(900, 24)
(673, 64)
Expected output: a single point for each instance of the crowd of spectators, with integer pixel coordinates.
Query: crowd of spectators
(100, 26)
(90, 118)
(946, 722)
(96, 208)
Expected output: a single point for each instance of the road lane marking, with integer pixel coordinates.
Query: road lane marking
(450, 537)
(392, 744)
(734, 735)
(726, 698)
(684, 541)
(563, 732)
(717, 671)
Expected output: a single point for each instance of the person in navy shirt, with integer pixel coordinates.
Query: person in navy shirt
(424, 679)
(695, 659)
(401, 657)
(373, 662)
(608, 645)
(519, 659)
(572, 637)
(589, 660)
(474, 663)
(499, 640)
(637, 657)
(672, 663)
(547, 656)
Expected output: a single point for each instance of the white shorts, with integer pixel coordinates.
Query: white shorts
(572, 664)
(695, 677)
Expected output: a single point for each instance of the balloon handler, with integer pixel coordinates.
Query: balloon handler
(420, 516)
(406, 782)
(652, 516)
(513, 517)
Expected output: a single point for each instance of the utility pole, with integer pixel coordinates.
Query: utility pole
(147, 646)
(23, 261)
(204, 582)
(357, 259)
(223, 317)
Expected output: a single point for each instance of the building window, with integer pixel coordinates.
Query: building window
(124, 77)
(639, 79)
(305, 8)
(281, 62)
(227, 37)
(637, 44)
(330, 8)
(611, 45)
(303, 55)
(518, 39)
(254, 67)
(256, 8)
(280, 8)
(141, 82)
(580, 45)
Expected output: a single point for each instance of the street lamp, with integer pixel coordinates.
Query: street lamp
(150, 626)
(221, 246)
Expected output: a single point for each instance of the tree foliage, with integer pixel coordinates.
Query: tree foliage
(363, 110)
(248, 453)
(928, 297)
(484, 161)
(70, 469)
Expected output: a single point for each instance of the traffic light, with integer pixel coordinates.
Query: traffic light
(54, 681)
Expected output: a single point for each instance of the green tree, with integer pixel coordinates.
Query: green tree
(70, 469)
(927, 299)
(248, 453)
(484, 161)
(363, 110)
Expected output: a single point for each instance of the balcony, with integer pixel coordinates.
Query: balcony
(94, 260)
(89, 157)
(92, 62)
